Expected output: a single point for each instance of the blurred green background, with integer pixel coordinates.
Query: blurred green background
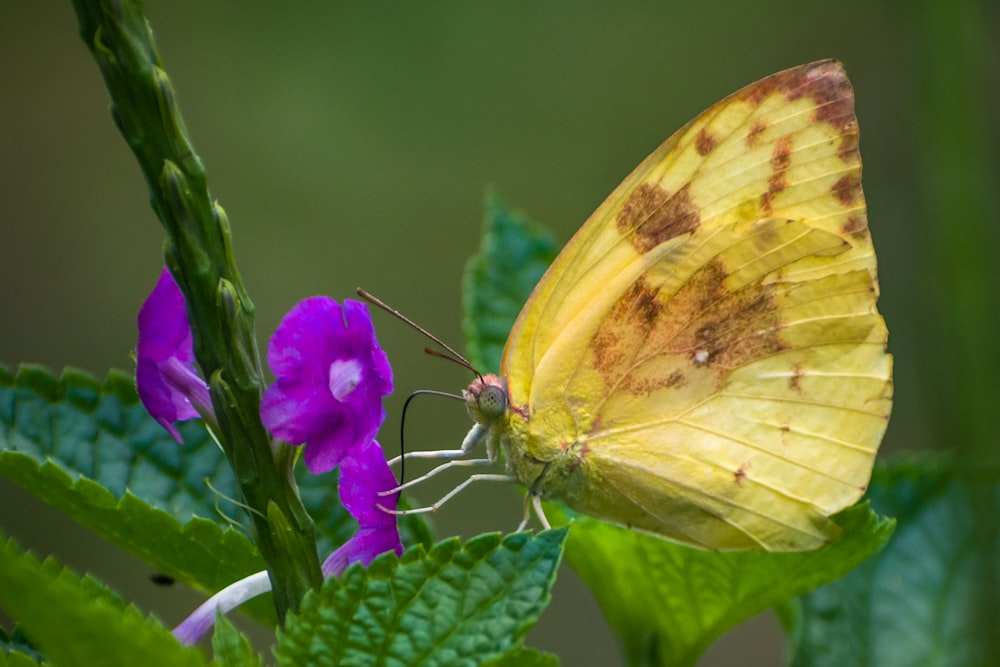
(351, 146)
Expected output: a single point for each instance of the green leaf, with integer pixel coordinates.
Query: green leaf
(512, 257)
(15, 658)
(457, 604)
(230, 647)
(668, 603)
(525, 657)
(17, 650)
(91, 451)
(931, 597)
(79, 621)
(100, 431)
(198, 552)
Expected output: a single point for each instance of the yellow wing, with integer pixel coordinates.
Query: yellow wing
(704, 360)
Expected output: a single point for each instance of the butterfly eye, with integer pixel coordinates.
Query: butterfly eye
(492, 401)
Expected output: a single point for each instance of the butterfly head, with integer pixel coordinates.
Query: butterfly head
(486, 398)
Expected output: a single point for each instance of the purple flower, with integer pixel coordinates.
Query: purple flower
(331, 377)
(165, 376)
(363, 474)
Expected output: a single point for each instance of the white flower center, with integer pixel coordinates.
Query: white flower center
(344, 377)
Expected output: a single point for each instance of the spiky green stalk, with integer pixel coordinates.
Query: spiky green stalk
(199, 254)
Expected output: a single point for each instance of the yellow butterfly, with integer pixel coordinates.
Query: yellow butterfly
(704, 360)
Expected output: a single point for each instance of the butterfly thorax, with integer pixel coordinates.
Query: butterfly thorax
(558, 476)
(500, 422)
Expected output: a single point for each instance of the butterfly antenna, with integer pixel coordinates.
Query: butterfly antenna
(452, 354)
(461, 361)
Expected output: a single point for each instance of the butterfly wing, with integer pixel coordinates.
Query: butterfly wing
(705, 360)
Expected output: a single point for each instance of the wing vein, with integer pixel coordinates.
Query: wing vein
(701, 491)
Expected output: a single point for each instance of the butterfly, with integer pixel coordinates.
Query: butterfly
(704, 360)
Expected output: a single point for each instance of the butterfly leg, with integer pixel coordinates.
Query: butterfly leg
(435, 471)
(533, 500)
(451, 494)
(536, 501)
(477, 434)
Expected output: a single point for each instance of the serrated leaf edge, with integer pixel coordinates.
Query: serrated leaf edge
(197, 529)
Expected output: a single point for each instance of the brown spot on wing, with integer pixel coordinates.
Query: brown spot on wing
(795, 381)
(848, 189)
(704, 324)
(625, 336)
(705, 142)
(734, 327)
(824, 82)
(741, 474)
(609, 349)
(652, 216)
(848, 150)
(855, 226)
(780, 161)
(630, 319)
(829, 87)
(755, 129)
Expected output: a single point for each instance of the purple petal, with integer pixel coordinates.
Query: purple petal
(362, 548)
(165, 376)
(363, 475)
(164, 331)
(194, 626)
(158, 398)
(292, 411)
(372, 542)
(358, 319)
(325, 450)
(301, 345)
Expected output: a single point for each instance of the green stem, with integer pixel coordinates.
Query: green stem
(199, 254)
